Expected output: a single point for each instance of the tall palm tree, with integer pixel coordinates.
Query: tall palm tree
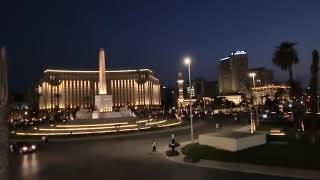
(54, 82)
(285, 56)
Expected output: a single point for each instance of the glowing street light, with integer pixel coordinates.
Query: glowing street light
(253, 126)
(187, 61)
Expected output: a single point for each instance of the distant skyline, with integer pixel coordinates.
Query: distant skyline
(153, 34)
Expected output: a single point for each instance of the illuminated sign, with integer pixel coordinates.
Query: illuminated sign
(238, 53)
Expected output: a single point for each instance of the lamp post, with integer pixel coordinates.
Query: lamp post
(252, 125)
(187, 61)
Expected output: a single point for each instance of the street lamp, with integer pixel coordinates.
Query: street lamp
(252, 126)
(187, 61)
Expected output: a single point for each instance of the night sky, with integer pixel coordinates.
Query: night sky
(153, 34)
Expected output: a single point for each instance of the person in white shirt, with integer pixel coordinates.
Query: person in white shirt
(154, 147)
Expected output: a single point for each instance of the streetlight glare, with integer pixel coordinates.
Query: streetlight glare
(252, 74)
(187, 61)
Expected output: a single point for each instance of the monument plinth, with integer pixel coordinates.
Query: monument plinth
(103, 102)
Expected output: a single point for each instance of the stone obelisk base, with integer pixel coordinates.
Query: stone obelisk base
(103, 102)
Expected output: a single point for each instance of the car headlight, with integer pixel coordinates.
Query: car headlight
(24, 148)
(33, 147)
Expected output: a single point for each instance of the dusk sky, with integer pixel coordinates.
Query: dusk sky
(153, 34)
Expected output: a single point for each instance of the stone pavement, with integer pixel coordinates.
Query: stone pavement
(247, 168)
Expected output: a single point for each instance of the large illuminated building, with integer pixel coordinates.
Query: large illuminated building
(75, 88)
(233, 73)
(261, 93)
(3, 78)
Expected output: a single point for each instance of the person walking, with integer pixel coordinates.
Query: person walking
(173, 139)
(172, 144)
(154, 146)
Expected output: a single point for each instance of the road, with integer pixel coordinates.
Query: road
(117, 158)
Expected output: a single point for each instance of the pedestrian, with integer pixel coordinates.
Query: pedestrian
(173, 143)
(173, 139)
(154, 147)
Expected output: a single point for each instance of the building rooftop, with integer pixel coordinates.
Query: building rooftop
(238, 53)
(87, 71)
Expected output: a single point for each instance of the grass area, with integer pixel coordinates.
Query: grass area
(287, 151)
(294, 154)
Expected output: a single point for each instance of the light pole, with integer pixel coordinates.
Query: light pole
(252, 125)
(187, 61)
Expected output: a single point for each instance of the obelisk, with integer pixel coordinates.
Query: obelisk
(103, 101)
(102, 72)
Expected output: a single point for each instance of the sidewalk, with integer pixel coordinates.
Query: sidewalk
(247, 168)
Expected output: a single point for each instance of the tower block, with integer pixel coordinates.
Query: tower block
(180, 82)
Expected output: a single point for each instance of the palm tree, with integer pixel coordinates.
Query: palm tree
(57, 97)
(54, 82)
(285, 56)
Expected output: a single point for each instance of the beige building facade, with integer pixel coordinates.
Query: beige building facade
(261, 93)
(73, 88)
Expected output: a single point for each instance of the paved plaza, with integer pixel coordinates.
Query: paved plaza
(116, 158)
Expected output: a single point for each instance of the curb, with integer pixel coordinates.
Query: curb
(111, 136)
(246, 168)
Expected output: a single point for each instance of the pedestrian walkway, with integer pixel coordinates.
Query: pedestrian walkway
(247, 168)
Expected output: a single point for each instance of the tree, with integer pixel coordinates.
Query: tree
(54, 82)
(285, 56)
(314, 95)
(57, 96)
(217, 103)
(296, 90)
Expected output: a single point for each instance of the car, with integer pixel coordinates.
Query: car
(23, 148)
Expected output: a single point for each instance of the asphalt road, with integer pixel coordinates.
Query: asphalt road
(117, 158)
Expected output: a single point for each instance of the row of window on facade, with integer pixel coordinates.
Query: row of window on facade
(76, 93)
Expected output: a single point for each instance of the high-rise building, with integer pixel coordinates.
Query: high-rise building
(233, 73)
(262, 76)
(205, 88)
(3, 78)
